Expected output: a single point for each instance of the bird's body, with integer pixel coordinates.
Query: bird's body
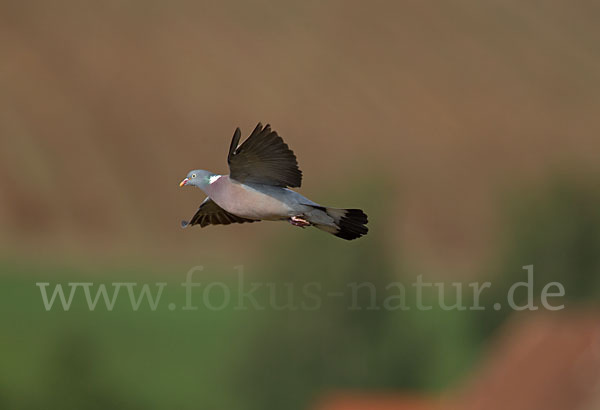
(262, 168)
(264, 202)
(254, 201)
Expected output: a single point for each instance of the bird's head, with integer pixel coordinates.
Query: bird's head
(198, 177)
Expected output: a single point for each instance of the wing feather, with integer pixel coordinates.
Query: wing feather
(209, 213)
(263, 158)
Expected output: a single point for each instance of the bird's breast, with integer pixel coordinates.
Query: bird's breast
(247, 202)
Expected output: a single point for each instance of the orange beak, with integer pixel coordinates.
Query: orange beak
(184, 182)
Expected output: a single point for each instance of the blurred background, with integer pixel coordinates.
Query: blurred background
(467, 130)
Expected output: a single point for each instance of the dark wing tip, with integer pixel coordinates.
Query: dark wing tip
(257, 130)
(184, 224)
(237, 134)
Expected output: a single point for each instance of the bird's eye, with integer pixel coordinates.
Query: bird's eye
(193, 175)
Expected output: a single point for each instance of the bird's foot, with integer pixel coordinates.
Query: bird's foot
(298, 221)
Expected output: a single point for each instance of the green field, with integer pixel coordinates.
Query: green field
(274, 357)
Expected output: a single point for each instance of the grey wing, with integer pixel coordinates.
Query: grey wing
(263, 159)
(209, 213)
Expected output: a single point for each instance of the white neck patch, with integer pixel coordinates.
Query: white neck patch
(213, 178)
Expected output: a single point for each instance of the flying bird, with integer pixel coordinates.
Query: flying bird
(261, 171)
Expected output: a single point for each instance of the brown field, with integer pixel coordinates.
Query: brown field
(105, 106)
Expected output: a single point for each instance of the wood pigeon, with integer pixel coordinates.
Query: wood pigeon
(262, 169)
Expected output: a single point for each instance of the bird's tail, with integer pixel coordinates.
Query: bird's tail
(349, 223)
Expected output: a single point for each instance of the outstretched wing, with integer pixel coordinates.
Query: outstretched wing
(210, 213)
(263, 159)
